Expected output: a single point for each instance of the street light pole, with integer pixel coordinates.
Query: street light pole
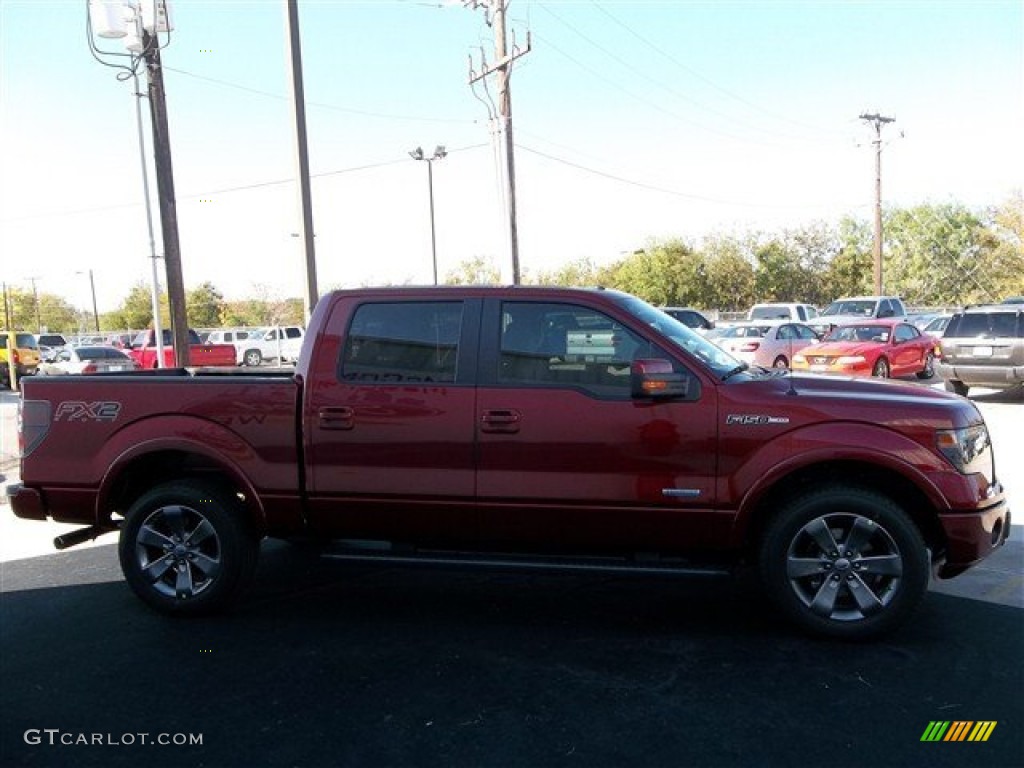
(439, 154)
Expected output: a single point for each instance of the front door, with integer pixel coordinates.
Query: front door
(568, 460)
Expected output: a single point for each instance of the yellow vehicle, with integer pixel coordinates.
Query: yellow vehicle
(25, 359)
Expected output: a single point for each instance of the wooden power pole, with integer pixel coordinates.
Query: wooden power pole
(878, 121)
(502, 67)
(168, 206)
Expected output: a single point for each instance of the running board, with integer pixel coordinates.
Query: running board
(610, 565)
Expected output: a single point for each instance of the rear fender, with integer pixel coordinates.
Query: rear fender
(223, 449)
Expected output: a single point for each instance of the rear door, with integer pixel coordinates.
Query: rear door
(568, 460)
(390, 421)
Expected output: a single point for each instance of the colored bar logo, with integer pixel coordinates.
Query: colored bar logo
(959, 730)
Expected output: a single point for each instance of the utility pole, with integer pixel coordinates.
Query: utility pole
(878, 121)
(496, 11)
(302, 156)
(165, 193)
(35, 303)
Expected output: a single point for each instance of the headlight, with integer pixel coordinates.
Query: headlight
(798, 358)
(851, 360)
(967, 449)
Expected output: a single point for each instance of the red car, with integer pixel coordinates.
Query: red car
(881, 348)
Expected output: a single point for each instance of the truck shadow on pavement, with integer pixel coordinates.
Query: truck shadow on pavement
(333, 664)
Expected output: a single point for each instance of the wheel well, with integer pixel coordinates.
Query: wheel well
(146, 472)
(879, 480)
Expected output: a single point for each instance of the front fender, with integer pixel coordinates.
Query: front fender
(829, 444)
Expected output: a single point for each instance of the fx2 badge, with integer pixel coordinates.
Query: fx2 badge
(78, 410)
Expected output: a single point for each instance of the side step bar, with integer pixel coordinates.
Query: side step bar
(498, 561)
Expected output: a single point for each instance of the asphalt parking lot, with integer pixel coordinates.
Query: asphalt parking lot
(328, 664)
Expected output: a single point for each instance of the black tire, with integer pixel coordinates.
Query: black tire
(781, 363)
(844, 562)
(881, 369)
(187, 548)
(929, 367)
(957, 387)
(252, 357)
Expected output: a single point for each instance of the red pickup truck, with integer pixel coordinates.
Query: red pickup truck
(144, 351)
(521, 427)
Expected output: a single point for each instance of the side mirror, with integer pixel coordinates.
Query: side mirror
(654, 379)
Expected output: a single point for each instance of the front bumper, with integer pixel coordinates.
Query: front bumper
(971, 537)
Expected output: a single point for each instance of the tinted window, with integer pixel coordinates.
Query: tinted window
(906, 332)
(292, 333)
(997, 325)
(99, 353)
(568, 346)
(409, 342)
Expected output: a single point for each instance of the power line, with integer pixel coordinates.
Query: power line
(664, 190)
(226, 190)
(705, 79)
(323, 105)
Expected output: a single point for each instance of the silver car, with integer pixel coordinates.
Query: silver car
(767, 344)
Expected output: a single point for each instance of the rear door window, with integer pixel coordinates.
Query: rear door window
(403, 342)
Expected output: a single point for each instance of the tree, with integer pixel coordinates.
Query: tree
(850, 272)
(936, 255)
(54, 313)
(577, 273)
(136, 310)
(670, 273)
(1004, 239)
(730, 275)
(203, 306)
(476, 271)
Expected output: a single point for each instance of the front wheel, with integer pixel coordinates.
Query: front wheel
(957, 387)
(844, 562)
(781, 362)
(929, 367)
(253, 357)
(881, 369)
(187, 548)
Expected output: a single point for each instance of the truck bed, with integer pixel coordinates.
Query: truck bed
(95, 425)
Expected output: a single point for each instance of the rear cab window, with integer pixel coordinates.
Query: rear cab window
(403, 343)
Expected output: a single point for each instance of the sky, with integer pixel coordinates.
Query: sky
(633, 122)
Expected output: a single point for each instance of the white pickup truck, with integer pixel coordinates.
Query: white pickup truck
(254, 345)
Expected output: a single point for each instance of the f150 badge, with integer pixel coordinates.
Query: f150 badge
(754, 420)
(78, 410)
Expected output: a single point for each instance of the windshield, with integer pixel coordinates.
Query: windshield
(864, 308)
(878, 333)
(744, 331)
(715, 357)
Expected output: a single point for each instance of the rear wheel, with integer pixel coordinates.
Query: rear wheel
(844, 562)
(186, 547)
(881, 369)
(252, 357)
(780, 362)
